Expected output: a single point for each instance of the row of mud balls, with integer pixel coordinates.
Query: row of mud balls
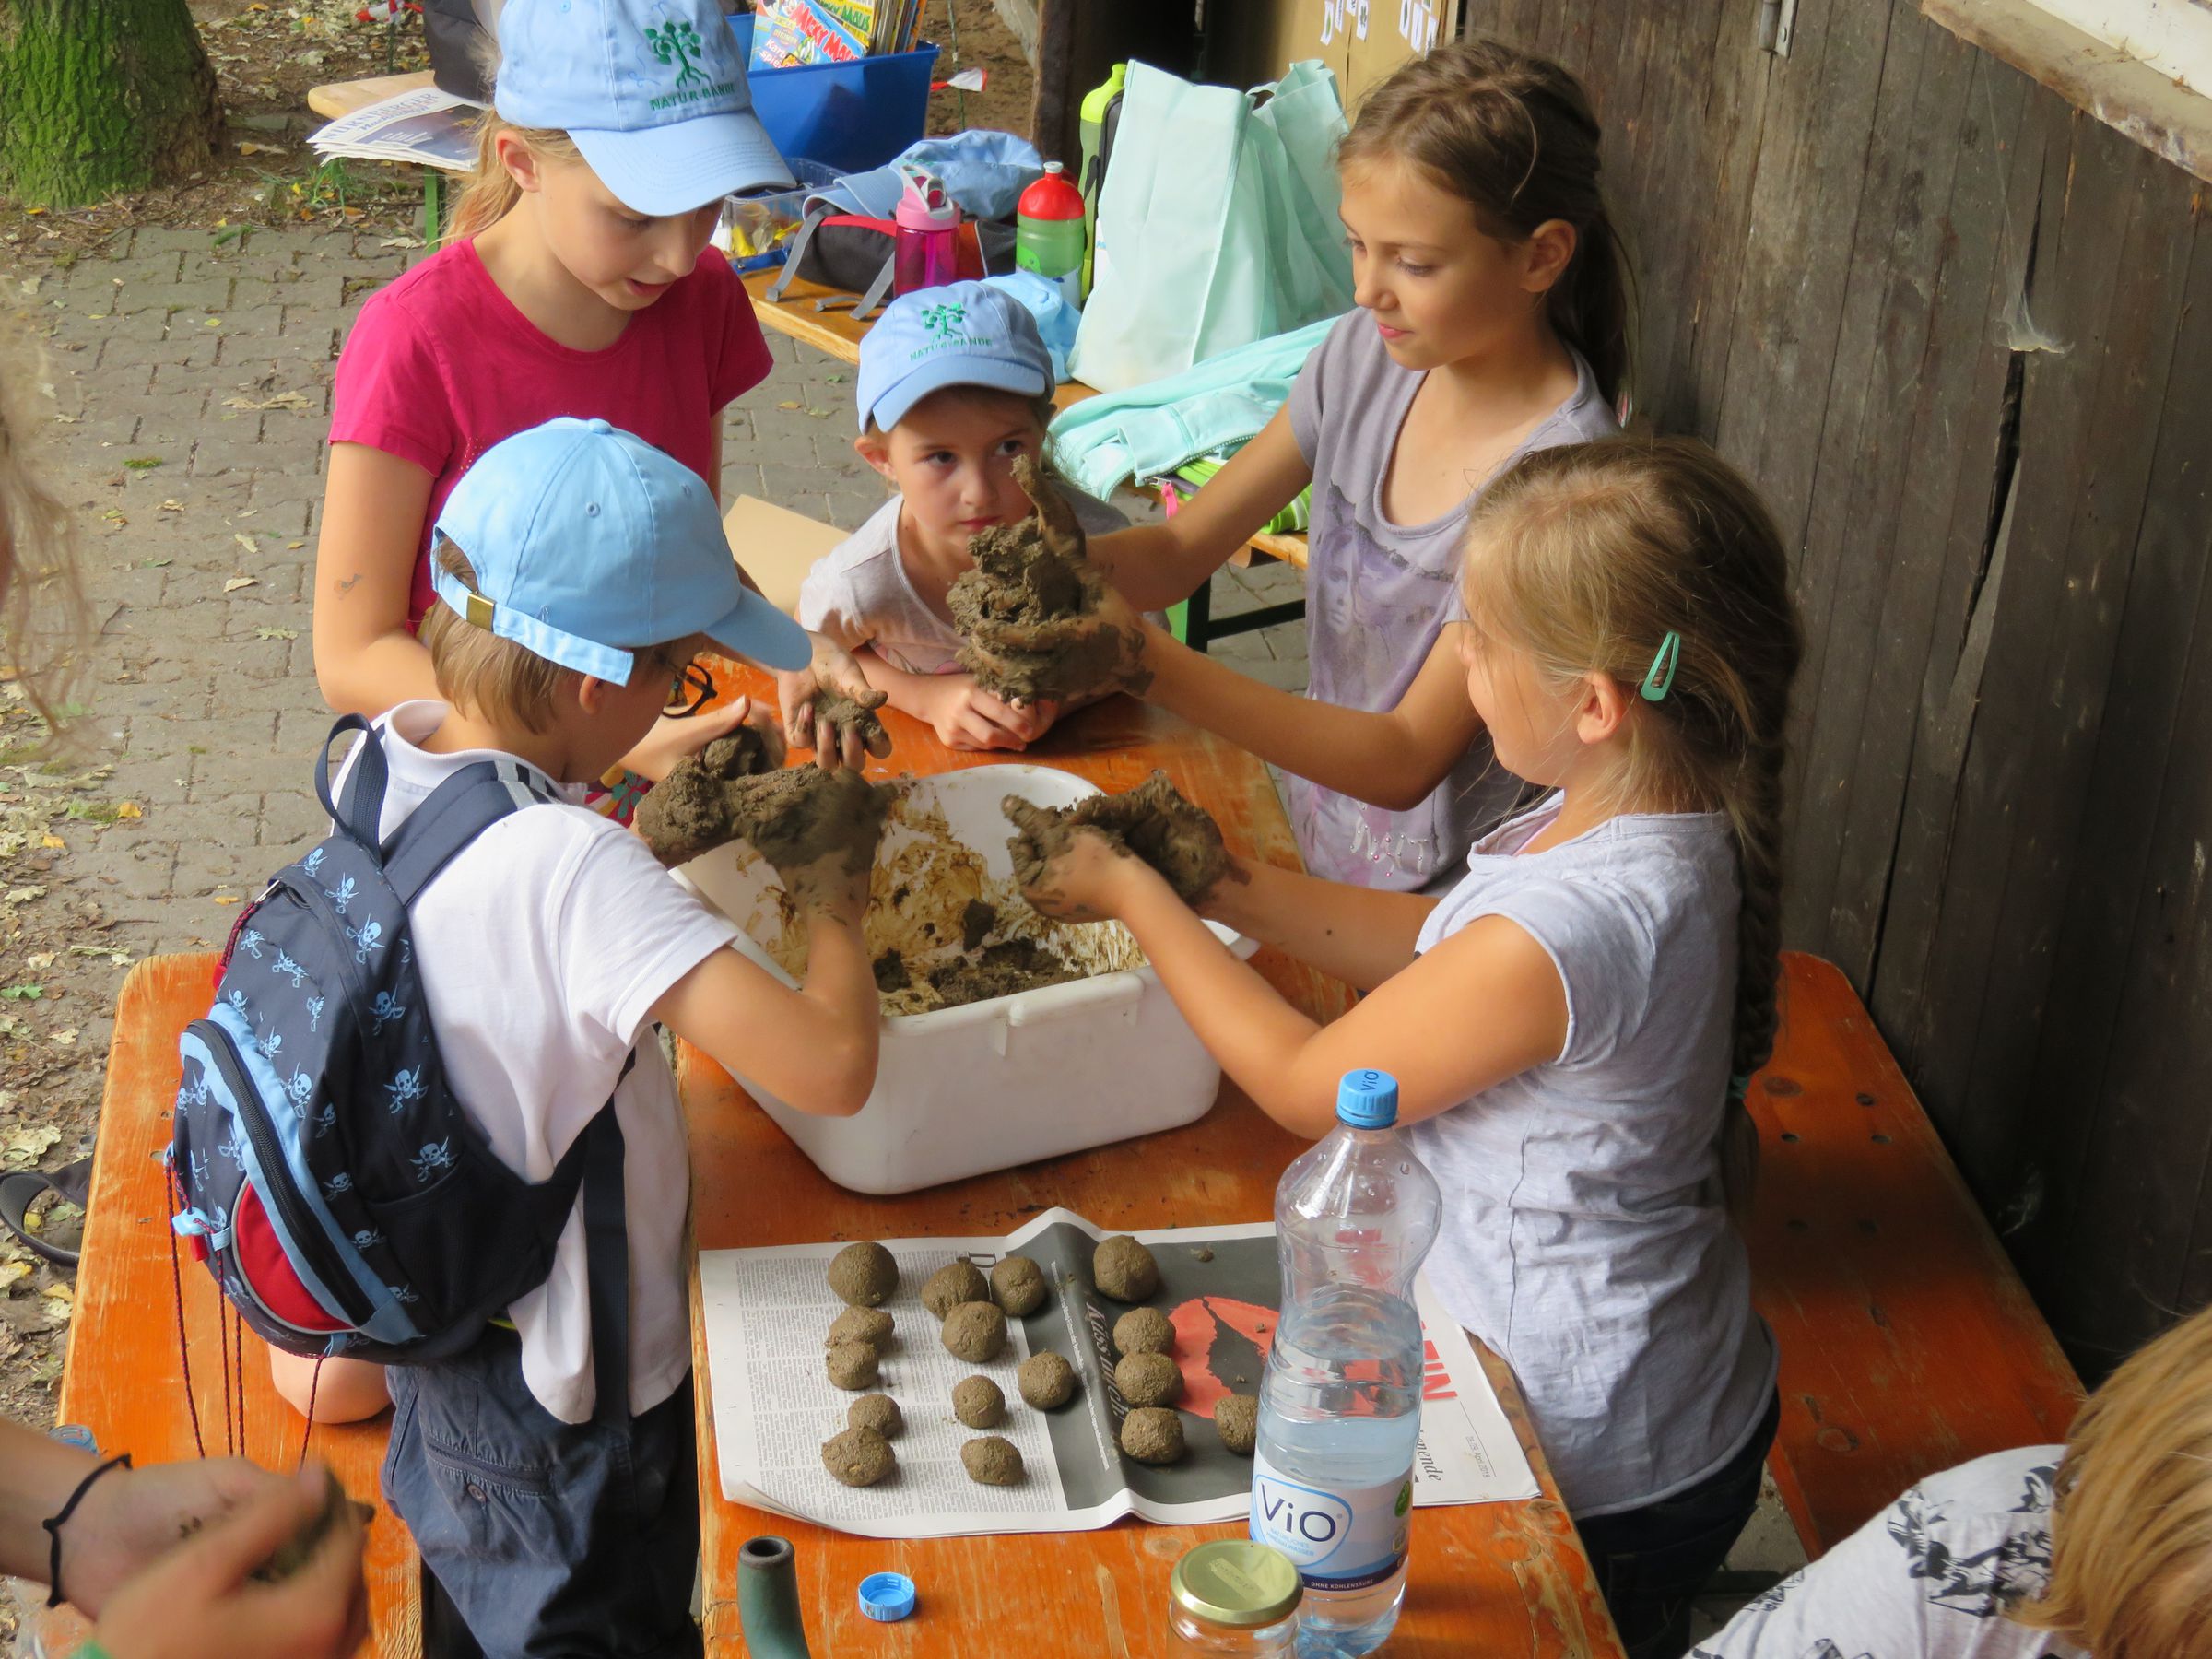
(974, 1313)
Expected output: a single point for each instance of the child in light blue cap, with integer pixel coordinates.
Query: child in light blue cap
(578, 570)
(955, 386)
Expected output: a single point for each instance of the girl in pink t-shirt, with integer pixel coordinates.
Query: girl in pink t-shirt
(576, 279)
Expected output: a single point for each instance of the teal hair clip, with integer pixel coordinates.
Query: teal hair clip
(1660, 679)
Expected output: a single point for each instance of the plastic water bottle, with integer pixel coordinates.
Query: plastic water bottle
(1090, 129)
(1048, 233)
(1341, 1411)
(926, 252)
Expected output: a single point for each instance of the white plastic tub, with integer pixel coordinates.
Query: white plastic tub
(987, 1086)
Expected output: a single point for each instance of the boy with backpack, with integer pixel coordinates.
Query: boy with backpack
(496, 1208)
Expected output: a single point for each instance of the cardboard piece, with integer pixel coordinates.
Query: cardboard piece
(777, 546)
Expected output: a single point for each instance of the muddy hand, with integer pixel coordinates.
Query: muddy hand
(1064, 870)
(1057, 527)
(1109, 642)
(826, 852)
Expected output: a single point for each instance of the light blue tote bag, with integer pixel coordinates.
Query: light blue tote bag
(1216, 226)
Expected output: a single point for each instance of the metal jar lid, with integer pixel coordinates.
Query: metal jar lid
(1238, 1583)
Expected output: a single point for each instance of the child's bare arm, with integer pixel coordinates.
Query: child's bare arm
(1361, 935)
(1481, 1007)
(366, 661)
(814, 1048)
(1155, 565)
(964, 715)
(1391, 759)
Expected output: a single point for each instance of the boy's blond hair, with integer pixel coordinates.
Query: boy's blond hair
(2132, 1528)
(479, 673)
(42, 599)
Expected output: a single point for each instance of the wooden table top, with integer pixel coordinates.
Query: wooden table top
(1495, 1579)
(343, 98)
(837, 332)
(123, 1377)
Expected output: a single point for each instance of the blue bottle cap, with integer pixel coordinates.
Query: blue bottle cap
(886, 1597)
(1368, 1100)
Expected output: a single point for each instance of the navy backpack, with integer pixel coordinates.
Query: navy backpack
(323, 1169)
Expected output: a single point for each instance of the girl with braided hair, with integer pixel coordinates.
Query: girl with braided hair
(1573, 1025)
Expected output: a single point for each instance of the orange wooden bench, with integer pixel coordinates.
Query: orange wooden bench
(1908, 1343)
(123, 1378)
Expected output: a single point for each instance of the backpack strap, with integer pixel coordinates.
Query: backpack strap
(606, 1260)
(460, 810)
(817, 212)
(361, 809)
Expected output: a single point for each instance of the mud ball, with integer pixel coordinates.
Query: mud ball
(1153, 1435)
(1123, 1269)
(851, 1365)
(877, 1411)
(863, 1275)
(953, 1287)
(991, 1460)
(976, 1331)
(858, 1457)
(1148, 1380)
(1017, 1286)
(1143, 1331)
(979, 1403)
(1237, 1421)
(871, 1325)
(1047, 1381)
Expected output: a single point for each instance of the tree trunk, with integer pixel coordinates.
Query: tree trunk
(101, 96)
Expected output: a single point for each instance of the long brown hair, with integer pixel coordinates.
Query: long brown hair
(1588, 556)
(42, 598)
(2131, 1565)
(1513, 136)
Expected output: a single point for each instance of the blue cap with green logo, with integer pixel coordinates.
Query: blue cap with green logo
(964, 334)
(652, 91)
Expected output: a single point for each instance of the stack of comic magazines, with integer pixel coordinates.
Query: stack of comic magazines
(789, 34)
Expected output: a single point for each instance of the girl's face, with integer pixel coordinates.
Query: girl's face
(952, 459)
(625, 258)
(1538, 729)
(1440, 288)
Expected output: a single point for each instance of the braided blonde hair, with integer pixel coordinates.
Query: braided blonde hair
(1586, 556)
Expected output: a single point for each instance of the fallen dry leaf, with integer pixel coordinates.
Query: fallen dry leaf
(236, 582)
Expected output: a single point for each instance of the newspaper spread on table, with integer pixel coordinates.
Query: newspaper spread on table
(425, 126)
(765, 1312)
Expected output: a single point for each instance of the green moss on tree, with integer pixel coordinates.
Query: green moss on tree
(101, 96)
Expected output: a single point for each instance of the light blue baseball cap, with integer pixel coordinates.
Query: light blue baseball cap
(963, 333)
(589, 545)
(652, 91)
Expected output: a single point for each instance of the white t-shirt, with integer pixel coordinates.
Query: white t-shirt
(1585, 1238)
(1931, 1577)
(542, 948)
(859, 592)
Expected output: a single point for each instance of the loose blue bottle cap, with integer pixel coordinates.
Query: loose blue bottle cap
(1368, 1100)
(886, 1597)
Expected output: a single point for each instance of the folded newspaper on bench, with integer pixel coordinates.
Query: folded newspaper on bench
(765, 1312)
(425, 126)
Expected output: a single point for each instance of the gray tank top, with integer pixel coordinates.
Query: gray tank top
(1377, 596)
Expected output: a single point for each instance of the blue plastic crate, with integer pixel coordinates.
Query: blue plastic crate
(848, 116)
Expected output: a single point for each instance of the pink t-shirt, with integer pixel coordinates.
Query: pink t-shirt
(440, 366)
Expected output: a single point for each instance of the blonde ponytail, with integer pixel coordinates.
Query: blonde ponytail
(492, 192)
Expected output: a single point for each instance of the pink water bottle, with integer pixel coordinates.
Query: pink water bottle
(928, 253)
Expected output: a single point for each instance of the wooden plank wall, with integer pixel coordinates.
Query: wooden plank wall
(1962, 335)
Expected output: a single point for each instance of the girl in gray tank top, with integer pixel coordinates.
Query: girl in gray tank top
(1572, 1027)
(1491, 323)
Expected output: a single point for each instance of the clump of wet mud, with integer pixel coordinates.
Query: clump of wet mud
(1033, 580)
(794, 817)
(1123, 1269)
(1153, 821)
(941, 930)
(992, 1460)
(979, 1403)
(953, 1285)
(863, 1275)
(858, 1457)
(1236, 1420)
(1017, 1286)
(1153, 1434)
